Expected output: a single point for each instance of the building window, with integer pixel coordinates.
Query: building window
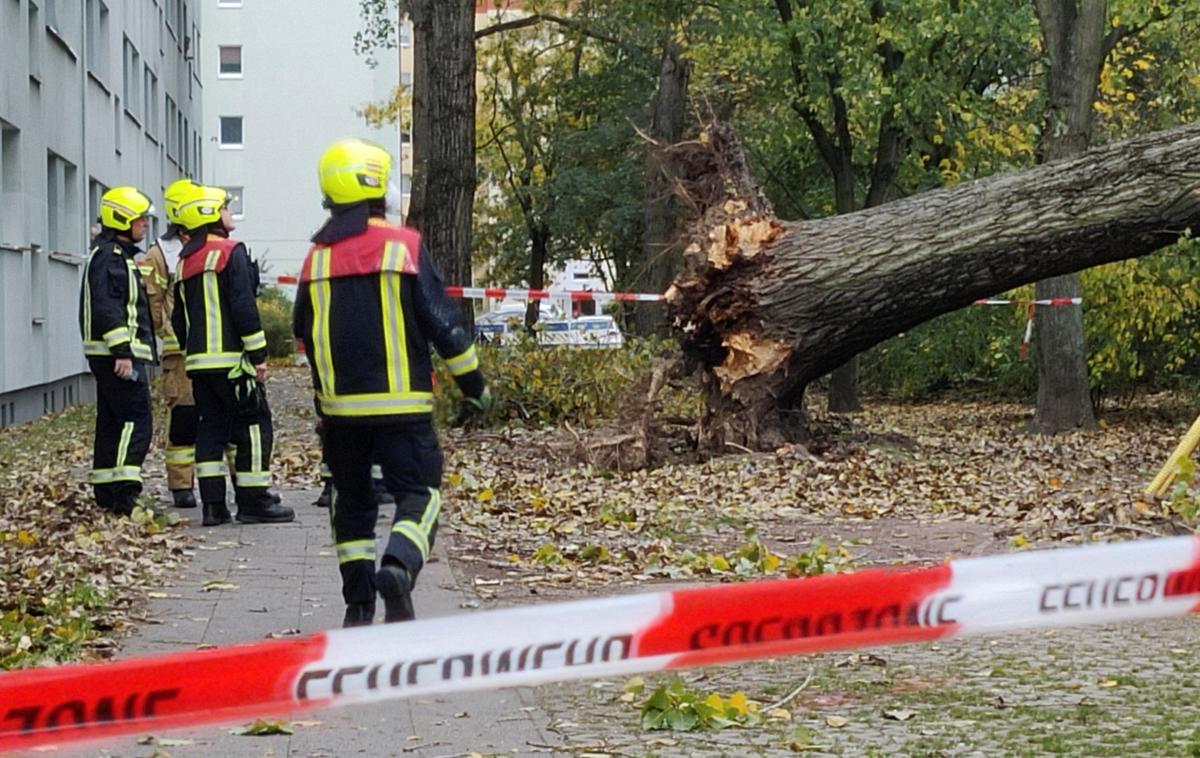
(11, 219)
(131, 90)
(231, 61)
(35, 42)
(231, 131)
(171, 116)
(96, 191)
(97, 38)
(61, 203)
(405, 34)
(236, 204)
(151, 100)
(406, 79)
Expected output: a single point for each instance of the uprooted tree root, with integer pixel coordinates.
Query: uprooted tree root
(724, 340)
(641, 436)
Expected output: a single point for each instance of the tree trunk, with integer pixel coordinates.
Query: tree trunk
(1073, 32)
(769, 306)
(539, 239)
(444, 135)
(660, 259)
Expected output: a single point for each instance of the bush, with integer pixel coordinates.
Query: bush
(976, 348)
(275, 311)
(1142, 321)
(548, 386)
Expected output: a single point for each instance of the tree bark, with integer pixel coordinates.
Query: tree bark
(767, 307)
(1073, 33)
(660, 259)
(444, 135)
(539, 240)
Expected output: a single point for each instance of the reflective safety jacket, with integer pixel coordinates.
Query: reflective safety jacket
(216, 316)
(114, 315)
(367, 309)
(156, 275)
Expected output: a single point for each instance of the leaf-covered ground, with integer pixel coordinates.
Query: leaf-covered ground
(896, 483)
(71, 576)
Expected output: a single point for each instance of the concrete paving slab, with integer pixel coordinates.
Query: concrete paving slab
(287, 579)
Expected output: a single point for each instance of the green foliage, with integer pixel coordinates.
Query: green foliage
(971, 349)
(1183, 503)
(822, 559)
(677, 707)
(549, 386)
(1142, 322)
(752, 559)
(275, 312)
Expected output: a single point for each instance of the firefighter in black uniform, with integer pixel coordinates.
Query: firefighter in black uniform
(369, 304)
(216, 321)
(118, 340)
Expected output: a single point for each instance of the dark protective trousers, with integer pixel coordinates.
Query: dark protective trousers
(181, 428)
(411, 461)
(221, 426)
(124, 425)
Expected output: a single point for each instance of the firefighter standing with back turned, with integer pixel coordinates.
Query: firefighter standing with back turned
(370, 303)
(118, 340)
(157, 267)
(217, 323)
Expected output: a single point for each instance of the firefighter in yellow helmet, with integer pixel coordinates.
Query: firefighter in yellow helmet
(157, 267)
(118, 341)
(217, 323)
(369, 305)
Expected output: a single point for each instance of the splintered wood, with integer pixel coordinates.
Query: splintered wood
(750, 355)
(740, 239)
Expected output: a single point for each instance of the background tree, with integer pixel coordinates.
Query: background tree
(866, 82)
(443, 191)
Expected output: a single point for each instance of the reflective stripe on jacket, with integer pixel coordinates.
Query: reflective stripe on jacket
(368, 308)
(216, 316)
(114, 314)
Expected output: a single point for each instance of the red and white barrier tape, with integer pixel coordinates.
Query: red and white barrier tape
(608, 637)
(508, 293)
(480, 293)
(1030, 306)
(1057, 301)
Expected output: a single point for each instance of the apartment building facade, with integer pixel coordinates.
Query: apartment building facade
(278, 89)
(93, 94)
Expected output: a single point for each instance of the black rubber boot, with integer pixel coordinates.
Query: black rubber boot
(382, 496)
(263, 510)
(275, 497)
(359, 614)
(183, 498)
(325, 499)
(216, 514)
(395, 587)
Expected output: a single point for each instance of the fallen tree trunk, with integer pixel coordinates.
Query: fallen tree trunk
(766, 306)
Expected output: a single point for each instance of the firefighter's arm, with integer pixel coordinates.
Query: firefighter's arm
(439, 319)
(158, 292)
(302, 316)
(243, 307)
(108, 278)
(179, 316)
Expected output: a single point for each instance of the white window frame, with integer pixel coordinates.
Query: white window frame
(241, 63)
(221, 144)
(229, 3)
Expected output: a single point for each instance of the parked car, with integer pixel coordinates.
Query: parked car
(501, 325)
(599, 331)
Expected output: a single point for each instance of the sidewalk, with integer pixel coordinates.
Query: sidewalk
(287, 580)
